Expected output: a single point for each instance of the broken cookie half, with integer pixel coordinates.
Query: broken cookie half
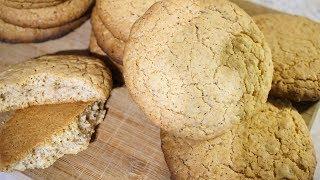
(50, 109)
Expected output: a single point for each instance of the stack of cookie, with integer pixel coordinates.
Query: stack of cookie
(202, 71)
(40, 20)
(111, 23)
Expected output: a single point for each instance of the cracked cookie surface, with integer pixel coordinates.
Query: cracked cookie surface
(54, 78)
(273, 143)
(117, 18)
(295, 47)
(196, 67)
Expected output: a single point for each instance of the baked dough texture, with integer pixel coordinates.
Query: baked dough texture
(105, 39)
(35, 1)
(94, 47)
(196, 67)
(272, 143)
(16, 34)
(295, 46)
(35, 137)
(48, 17)
(54, 79)
(29, 5)
(117, 18)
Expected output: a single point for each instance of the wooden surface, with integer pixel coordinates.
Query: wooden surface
(126, 144)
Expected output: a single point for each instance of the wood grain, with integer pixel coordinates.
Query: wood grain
(126, 145)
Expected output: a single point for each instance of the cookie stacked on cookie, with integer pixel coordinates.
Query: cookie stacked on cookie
(35, 21)
(50, 106)
(202, 71)
(111, 23)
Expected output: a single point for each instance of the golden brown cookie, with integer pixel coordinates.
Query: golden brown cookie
(118, 18)
(105, 39)
(252, 8)
(47, 17)
(37, 136)
(273, 143)
(195, 67)
(295, 46)
(35, 1)
(29, 5)
(16, 34)
(54, 79)
(94, 47)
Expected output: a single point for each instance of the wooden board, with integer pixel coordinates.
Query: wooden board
(126, 144)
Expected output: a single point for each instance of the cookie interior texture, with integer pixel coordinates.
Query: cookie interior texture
(54, 79)
(196, 67)
(37, 136)
(274, 143)
(295, 46)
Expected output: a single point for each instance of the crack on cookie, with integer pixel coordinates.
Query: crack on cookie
(188, 71)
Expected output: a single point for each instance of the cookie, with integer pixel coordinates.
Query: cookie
(35, 1)
(105, 39)
(295, 46)
(273, 143)
(196, 67)
(94, 47)
(53, 79)
(118, 18)
(47, 17)
(252, 8)
(29, 5)
(37, 136)
(16, 34)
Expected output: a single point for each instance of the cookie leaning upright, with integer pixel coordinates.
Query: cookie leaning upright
(112, 23)
(196, 67)
(295, 46)
(53, 79)
(272, 143)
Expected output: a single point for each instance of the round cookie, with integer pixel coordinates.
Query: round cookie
(196, 67)
(274, 143)
(112, 46)
(295, 47)
(118, 18)
(48, 17)
(16, 34)
(29, 5)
